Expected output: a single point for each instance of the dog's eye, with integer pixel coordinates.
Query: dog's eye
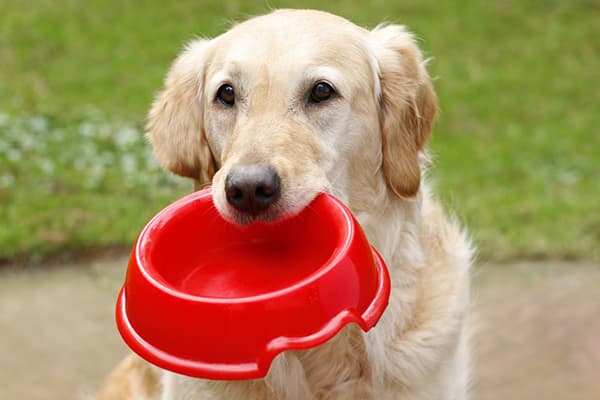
(226, 95)
(321, 92)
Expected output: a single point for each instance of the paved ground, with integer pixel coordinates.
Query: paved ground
(537, 331)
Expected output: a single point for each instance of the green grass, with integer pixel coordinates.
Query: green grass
(516, 145)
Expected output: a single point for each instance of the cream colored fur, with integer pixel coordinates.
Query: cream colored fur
(366, 146)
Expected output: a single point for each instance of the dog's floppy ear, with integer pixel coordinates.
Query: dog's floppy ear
(408, 106)
(175, 126)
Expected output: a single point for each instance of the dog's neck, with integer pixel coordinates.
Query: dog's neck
(392, 226)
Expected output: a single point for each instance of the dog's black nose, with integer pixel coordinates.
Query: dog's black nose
(252, 188)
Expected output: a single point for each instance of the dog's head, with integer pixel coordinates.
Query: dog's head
(284, 106)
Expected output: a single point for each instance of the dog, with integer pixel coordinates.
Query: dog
(287, 105)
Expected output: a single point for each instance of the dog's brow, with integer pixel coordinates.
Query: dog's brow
(230, 68)
(225, 72)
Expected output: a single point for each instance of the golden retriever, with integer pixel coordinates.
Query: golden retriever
(297, 102)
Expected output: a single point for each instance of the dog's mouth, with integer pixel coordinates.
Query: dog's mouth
(274, 214)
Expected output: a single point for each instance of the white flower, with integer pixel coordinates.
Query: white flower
(6, 181)
(38, 124)
(128, 164)
(46, 166)
(4, 119)
(13, 155)
(127, 136)
(86, 129)
(28, 141)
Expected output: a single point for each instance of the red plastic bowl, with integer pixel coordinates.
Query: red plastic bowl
(206, 298)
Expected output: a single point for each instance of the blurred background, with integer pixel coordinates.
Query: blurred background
(516, 149)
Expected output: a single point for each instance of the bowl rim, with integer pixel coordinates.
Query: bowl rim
(163, 216)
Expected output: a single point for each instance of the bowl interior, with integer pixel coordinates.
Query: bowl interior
(192, 250)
